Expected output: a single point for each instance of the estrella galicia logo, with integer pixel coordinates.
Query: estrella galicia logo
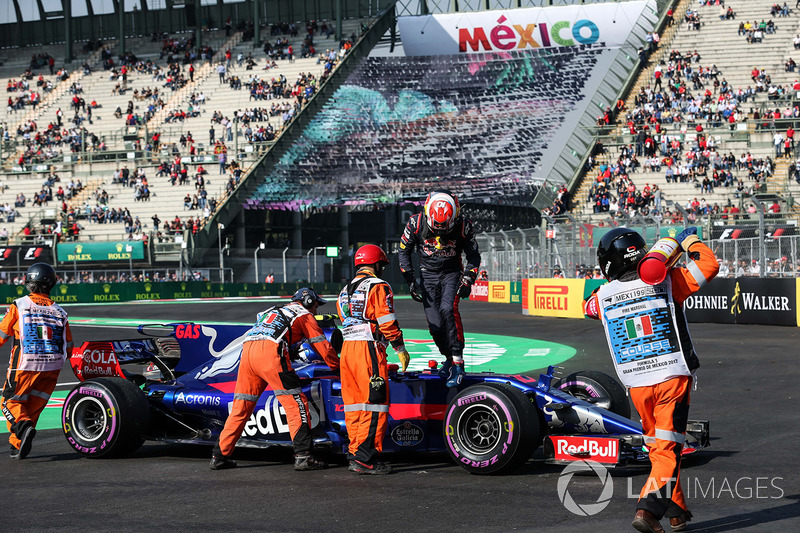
(586, 509)
(407, 434)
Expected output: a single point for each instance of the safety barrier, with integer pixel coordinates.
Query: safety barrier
(83, 293)
(742, 300)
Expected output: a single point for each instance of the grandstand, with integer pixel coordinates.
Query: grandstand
(360, 131)
(125, 146)
(720, 47)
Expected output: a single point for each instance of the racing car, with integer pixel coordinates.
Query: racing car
(174, 383)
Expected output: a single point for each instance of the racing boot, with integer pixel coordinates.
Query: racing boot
(376, 468)
(679, 523)
(456, 375)
(444, 370)
(308, 462)
(646, 522)
(220, 462)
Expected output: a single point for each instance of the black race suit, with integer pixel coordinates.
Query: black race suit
(441, 271)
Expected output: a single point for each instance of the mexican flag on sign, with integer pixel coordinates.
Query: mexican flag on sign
(638, 327)
(44, 332)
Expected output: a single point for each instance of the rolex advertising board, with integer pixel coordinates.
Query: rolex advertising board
(100, 251)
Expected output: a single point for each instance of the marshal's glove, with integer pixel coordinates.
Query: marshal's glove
(405, 358)
(466, 286)
(687, 237)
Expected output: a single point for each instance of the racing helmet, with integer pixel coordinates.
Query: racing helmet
(40, 278)
(441, 212)
(619, 252)
(308, 297)
(370, 254)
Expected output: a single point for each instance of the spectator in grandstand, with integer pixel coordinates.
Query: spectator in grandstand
(777, 141)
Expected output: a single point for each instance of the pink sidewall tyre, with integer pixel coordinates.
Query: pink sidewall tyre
(491, 428)
(105, 417)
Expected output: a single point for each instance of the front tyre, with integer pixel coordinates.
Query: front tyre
(597, 388)
(105, 417)
(491, 428)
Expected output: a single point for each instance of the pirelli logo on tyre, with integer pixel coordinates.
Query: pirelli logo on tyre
(559, 298)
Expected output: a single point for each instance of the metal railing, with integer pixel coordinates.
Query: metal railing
(766, 245)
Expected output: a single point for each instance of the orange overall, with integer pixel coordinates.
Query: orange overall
(266, 361)
(664, 407)
(366, 307)
(33, 373)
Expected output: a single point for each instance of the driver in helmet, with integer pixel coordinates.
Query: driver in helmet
(42, 341)
(654, 357)
(266, 360)
(441, 235)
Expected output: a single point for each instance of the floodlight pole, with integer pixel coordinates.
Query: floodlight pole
(255, 257)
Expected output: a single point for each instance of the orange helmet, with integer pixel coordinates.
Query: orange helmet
(441, 211)
(369, 254)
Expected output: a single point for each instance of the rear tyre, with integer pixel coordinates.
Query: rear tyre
(105, 417)
(491, 428)
(598, 388)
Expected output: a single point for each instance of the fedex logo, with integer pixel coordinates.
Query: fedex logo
(551, 297)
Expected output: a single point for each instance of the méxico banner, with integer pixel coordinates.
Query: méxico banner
(521, 29)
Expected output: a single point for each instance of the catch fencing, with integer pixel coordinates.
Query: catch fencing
(568, 248)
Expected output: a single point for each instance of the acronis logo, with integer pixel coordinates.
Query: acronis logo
(519, 37)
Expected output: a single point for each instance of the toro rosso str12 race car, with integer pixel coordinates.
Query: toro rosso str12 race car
(175, 383)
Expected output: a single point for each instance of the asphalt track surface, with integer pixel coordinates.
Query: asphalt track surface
(747, 481)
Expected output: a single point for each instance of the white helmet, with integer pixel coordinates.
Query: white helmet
(441, 212)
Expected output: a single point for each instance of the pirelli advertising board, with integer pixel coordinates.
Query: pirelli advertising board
(500, 292)
(556, 297)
